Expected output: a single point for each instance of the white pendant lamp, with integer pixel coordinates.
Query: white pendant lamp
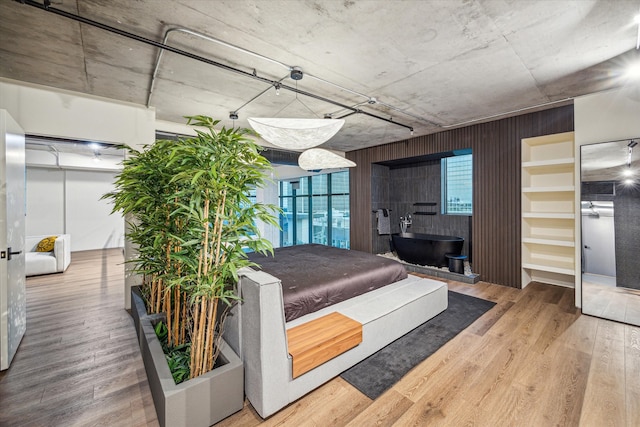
(319, 158)
(296, 134)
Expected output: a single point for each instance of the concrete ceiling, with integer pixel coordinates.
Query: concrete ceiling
(608, 161)
(430, 65)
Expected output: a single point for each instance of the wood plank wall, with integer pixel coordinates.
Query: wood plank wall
(496, 192)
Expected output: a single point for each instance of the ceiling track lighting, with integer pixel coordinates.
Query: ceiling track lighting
(630, 146)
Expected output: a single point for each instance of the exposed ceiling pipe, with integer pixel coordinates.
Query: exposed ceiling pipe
(370, 100)
(78, 18)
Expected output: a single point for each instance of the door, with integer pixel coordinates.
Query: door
(598, 240)
(13, 305)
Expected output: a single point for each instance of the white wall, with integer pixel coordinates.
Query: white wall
(602, 117)
(45, 202)
(41, 110)
(68, 201)
(89, 219)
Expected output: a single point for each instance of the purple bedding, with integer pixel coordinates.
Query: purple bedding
(316, 276)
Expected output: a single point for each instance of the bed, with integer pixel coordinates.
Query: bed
(302, 284)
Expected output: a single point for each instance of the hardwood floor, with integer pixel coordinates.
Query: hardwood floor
(611, 302)
(532, 360)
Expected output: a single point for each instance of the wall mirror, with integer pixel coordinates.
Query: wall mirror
(610, 222)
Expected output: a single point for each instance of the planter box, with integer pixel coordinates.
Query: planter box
(138, 310)
(201, 401)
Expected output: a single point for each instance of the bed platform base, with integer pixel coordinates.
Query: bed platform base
(257, 331)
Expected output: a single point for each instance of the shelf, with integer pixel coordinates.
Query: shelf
(549, 240)
(550, 215)
(556, 189)
(551, 267)
(547, 164)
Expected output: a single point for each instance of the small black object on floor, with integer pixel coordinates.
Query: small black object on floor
(380, 371)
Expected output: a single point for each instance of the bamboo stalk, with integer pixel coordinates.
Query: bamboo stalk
(219, 221)
(205, 245)
(212, 330)
(152, 294)
(208, 336)
(167, 300)
(199, 341)
(183, 323)
(194, 349)
(157, 305)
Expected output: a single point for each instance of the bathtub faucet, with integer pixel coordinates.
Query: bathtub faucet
(405, 222)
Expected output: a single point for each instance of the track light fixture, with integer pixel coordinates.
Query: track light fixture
(233, 115)
(296, 73)
(631, 144)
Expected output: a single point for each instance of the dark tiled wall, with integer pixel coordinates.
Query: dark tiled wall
(380, 200)
(626, 218)
(399, 189)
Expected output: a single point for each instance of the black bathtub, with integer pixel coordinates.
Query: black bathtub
(425, 249)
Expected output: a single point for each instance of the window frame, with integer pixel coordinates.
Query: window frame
(445, 170)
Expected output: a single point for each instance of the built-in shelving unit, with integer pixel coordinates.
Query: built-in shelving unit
(548, 210)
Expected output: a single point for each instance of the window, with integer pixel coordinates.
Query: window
(315, 209)
(457, 185)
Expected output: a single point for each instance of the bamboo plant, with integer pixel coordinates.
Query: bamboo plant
(193, 223)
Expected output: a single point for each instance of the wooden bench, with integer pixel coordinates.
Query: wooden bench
(320, 340)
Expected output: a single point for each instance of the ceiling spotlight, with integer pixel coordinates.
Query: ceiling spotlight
(627, 172)
(233, 115)
(628, 181)
(328, 116)
(277, 89)
(296, 73)
(632, 144)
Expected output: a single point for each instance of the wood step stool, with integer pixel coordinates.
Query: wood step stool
(320, 340)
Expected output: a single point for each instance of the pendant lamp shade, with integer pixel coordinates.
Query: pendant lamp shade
(319, 158)
(296, 134)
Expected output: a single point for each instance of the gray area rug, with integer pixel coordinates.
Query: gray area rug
(380, 371)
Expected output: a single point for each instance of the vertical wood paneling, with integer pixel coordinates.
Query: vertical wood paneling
(496, 193)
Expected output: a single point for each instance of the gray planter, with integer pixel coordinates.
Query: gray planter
(201, 401)
(138, 310)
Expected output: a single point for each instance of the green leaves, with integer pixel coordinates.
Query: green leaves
(178, 357)
(192, 219)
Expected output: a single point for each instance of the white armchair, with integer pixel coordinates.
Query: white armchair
(56, 261)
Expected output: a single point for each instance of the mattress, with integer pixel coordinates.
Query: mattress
(316, 276)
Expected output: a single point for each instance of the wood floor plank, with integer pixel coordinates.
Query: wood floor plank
(605, 401)
(532, 360)
(632, 374)
(388, 409)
